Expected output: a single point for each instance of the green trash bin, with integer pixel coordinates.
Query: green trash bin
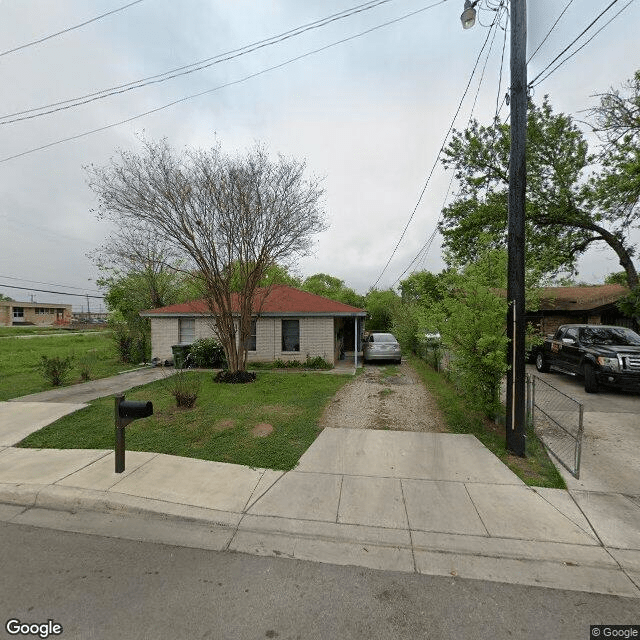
(180, 353)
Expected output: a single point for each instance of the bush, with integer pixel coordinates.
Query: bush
(55, 369)
(206, 352)
(237, 377)
(184, 387)
(86, 364)
(317, 363)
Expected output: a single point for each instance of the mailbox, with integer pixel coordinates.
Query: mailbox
(127, 411)
(134, 410)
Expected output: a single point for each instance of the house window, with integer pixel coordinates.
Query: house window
(186, 330)
(251, 340)
(18, 313)
(291, 335)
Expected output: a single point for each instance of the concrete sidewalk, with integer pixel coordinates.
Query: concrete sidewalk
(87, 391)
(431, 503)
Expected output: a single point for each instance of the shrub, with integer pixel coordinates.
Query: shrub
(317, 363)
(55, 369)
(206, 352)
(184, 387)
(237, 377)
(87, 363)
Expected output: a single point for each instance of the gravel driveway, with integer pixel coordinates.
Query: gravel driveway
(384, 397)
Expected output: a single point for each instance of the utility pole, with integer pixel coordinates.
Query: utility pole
(515, 422)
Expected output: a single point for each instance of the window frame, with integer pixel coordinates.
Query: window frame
(181, 330)
(289, 322)
(252, 341)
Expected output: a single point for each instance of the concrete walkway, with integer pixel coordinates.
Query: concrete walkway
(431, 503)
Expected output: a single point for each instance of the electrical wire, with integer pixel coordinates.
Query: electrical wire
(534, 81)
(62, 105)
(424, 188)
(60, 293)
(504, 46)
(52, 284)
(222, 86)
(424, 250)
(59, 33)
(582, 46)
(553, 26)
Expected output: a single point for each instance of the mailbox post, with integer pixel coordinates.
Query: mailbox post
(127, 411)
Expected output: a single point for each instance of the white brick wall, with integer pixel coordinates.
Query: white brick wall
(316, 338)
(164, 334)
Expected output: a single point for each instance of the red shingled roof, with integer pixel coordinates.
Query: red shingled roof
(279, 299)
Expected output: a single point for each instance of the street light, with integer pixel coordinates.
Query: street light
(468, 17)
(515, 418)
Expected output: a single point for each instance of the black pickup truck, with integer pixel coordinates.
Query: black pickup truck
(603, 355)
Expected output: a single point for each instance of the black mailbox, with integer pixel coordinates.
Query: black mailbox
(134, 410)
(127, 411)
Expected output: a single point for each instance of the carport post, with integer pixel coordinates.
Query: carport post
(355, 340)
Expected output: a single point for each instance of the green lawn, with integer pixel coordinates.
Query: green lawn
(535, 470)
(29, 330)
(218, 428)
(20, 357)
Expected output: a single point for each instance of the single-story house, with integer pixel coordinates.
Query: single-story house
(287, 324)
(30, 313)
(580, 305)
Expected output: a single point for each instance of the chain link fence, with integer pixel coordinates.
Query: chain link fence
(558, 422)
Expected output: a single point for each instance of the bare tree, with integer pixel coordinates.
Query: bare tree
(226, 215)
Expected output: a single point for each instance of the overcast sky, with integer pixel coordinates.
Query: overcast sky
(368, 115)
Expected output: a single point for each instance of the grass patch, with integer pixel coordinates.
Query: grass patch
(535, 470)
(389, 371)
(218, 428)
(20, 360)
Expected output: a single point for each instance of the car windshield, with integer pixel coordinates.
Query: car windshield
(609, 335)
(383, 337)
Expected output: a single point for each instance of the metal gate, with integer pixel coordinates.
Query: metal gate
(558, 421)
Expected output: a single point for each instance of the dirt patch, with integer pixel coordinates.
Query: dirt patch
(262, 430)
(281, 410)
(369, 402)
(221, 425)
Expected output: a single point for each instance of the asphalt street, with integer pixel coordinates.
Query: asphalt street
(100, 587)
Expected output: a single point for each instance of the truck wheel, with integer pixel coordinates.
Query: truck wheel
(590, 380)
(541, 364)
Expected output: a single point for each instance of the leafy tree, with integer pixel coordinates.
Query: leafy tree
(228, 219)
(421, 286)
(328, 286)
(5, 298)
(565, 213)
(380, 306)
(619, 277)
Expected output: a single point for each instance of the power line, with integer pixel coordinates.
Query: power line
(223, 86)
(424, 250)
(582, 46)
(534, 81)
(553, 26)
(71, 103)
(424, 188)
(77, 26)
(53, 284)
(504, 45)
(60, 293)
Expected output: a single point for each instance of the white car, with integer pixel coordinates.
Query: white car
(382, 346)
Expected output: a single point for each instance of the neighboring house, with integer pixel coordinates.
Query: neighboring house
(30, 313)
(588, 305)
(287, 324)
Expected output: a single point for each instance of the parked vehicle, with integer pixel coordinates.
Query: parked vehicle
(381, 346)
(601, 354)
